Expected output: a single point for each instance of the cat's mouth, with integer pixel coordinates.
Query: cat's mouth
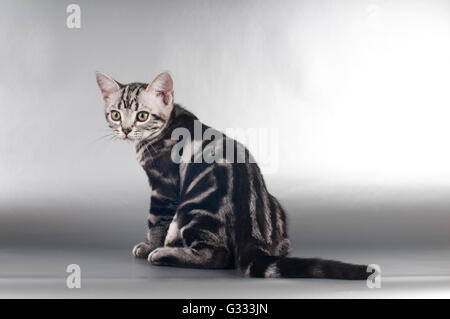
(131, 138)
(137, 137)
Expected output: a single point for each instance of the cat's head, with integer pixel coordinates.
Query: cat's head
(137, 111)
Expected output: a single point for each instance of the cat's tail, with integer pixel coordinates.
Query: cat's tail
(293, 267)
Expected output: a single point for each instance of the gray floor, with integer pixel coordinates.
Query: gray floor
(114, 273)
(406, 233)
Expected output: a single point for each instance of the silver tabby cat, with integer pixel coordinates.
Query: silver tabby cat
(204, 214)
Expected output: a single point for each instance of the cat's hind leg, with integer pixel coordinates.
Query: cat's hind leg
(200, 245)
(190, 258)
(202, 241)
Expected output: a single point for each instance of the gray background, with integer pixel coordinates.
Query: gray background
(358, 92)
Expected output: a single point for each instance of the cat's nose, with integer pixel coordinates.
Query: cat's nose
(126, 131)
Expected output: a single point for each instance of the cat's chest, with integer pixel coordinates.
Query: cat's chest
(161, 170)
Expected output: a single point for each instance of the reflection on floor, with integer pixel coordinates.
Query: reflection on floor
(116, 274)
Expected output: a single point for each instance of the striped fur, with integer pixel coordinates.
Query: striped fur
(215, 215)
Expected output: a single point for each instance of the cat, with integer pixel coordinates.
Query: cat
(204, 214)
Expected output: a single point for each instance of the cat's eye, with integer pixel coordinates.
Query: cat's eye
(142, 116)
(115, 116)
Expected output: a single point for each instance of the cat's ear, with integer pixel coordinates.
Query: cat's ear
(110, 88)
(162, 85)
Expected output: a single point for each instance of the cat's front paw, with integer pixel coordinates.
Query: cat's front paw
(141, 250)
